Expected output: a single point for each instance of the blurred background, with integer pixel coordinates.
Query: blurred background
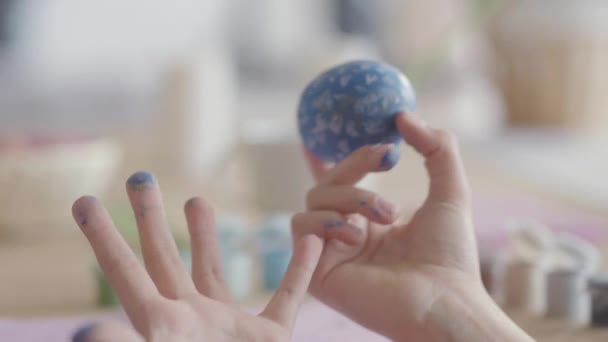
(204, 94)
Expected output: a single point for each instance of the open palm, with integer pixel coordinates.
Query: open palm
(163, 301)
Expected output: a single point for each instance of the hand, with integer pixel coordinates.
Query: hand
(418, 280)
(165, 303)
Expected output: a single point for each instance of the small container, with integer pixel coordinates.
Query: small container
(275, 247)
(486, 266)
(580, 252)
(598, 287)
(525, 284)
(496, 278)
(237, 262)
(568, 297)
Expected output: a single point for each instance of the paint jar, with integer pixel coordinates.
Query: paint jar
(525, 284)
(237, 261)
(568, 297)
(598, 287)
(576, 251)
(275, 247)
(277, 165)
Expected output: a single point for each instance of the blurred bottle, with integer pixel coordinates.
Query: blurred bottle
(275, 248)
(551, 63)
(198, 129)
(356, 17)
(274, 156)
(237, 262)
(414, 30)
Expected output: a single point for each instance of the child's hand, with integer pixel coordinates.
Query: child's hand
(162, 301)
(414, 281)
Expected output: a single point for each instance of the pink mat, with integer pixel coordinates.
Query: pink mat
(492, 210)
(316, 322)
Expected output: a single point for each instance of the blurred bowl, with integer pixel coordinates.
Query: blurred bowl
(41, 177)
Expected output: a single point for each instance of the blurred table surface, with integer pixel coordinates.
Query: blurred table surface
(54, 276)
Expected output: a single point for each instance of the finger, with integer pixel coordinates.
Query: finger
(109, 331)
(207, 270)
(317, 166)
(159, 250)
(284, 305)
(349, 200)
(361, 162)
(327, 225)
(448, 182)
(119, 264)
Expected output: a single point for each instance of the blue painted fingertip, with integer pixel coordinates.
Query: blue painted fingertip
(141, 179)
(83, 333)
(390, 159)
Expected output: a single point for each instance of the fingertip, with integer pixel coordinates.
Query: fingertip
(411, 118)
(200, 207)
(344, 231)
(390, 158)
(83, 333)
(311, 242)
(140, 180)
(196, 202)
(81, 209)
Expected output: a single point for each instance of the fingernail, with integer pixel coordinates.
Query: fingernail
(385, 209)
(141, 180)
(82, 334)
(390, 159)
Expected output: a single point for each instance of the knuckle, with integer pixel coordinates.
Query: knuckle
(447, 142)
(297, 220)
(119, 264)
(311, 196)
(368, 198)
(447, 139)
(288, 291)
(214, 272)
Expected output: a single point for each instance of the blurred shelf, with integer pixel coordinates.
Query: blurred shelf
(560, 166)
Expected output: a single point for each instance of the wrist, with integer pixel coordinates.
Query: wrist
(470, 314)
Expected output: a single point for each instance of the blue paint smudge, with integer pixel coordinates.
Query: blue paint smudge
(83, 333)
(333, 224)
(390, 159)
(376, 212)
(141, 179)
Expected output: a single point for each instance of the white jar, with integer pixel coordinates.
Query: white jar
(568, 296)
(524, 285)
(551, 60)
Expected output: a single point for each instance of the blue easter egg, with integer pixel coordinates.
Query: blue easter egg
(353, 105)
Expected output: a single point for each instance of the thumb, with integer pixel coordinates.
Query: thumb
(448, 182)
